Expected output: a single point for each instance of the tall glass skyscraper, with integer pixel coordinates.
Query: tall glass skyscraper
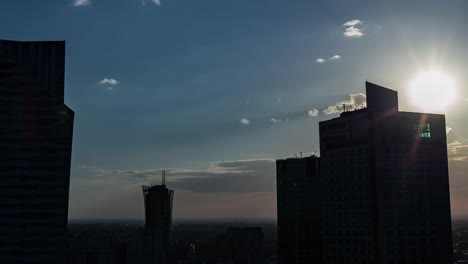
(36, 130)
(385, 185)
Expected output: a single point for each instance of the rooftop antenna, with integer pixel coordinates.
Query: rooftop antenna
(301, 154)
(344, 107)
(163, 177)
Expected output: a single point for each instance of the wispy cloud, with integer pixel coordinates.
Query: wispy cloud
(351, 29)
(81, 2)
(239, 176)
(355, 101)
(448, 129)
(313, 112)
(320, 60)
(155, 2)
(458, 150)
(245, 121)
(274, 120)
(109, 81)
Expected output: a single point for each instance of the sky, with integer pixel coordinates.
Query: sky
(214, 91)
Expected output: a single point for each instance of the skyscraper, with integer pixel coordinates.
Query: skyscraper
(35, 149)
(385, 185)
(299, 210)
(156, 236)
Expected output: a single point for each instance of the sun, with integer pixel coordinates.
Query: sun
(432, 91)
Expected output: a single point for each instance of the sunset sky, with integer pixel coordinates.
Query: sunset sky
(213, 91)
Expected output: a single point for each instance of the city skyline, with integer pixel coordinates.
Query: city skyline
(210, 91)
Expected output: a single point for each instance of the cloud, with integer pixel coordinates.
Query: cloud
(458, 151)
(335, 57)
(239, 176)
(355, 101)
(353, 22)
(313, 112)
(351, 31)
(245, 121)
(156, 2)
(81, 2)
(448, 129)
(320, 60)
(109, 81)
(274, 120)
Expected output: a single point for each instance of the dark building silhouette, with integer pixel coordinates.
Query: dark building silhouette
(156, 236)
(299, 207)
(119, 252)
(35, 149)
(385, 185)
(241, 245)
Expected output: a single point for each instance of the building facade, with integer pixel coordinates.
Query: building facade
(385, 185)
(35, 149)
(156, 236)
(299, 210)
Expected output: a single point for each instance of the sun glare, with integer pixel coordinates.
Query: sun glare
(432, 91)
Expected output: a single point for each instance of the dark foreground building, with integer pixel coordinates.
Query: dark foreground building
(35, 149)
(241, 245)
(385, 185)
(299, 210)
(156, 236)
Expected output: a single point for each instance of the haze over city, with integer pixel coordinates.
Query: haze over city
(214, 91)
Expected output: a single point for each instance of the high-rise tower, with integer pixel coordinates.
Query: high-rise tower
(385, 185)
(36, 130)
(156, 236)
(299, 210)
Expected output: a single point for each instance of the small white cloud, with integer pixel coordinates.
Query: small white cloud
(354, 102)
(313, 112)
(156, 2)
(448, 129)
(320, 60)
(81, 2)
(274, 120)
(335, 57)
(352, 32)
(245, 121)
(353, 22)
(110, 88)
(109, 81)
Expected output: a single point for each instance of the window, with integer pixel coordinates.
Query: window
(424, 130)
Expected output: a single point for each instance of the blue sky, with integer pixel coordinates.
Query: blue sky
(214, 90)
